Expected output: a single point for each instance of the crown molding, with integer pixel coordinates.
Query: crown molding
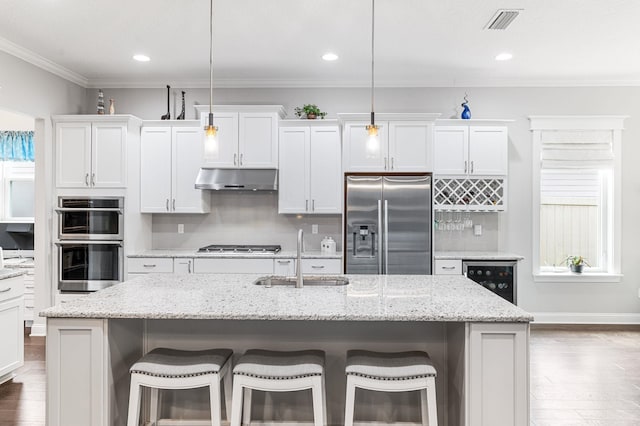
(42, 62)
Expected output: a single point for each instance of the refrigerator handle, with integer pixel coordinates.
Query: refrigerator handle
(386, 236)
(355, 240)
(379, 236)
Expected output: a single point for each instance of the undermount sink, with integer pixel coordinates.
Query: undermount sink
(313, 281)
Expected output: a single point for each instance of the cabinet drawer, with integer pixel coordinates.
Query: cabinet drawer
(448, 267)
(150, 264)
(286, 267)
(11, 288)
(233, 266)
(321, 266)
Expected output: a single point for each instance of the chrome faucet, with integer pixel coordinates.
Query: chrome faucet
(299, 280)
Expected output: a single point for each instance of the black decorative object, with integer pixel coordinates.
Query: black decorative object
(466, 112)
(167, 116)
(100, 102)
(182, 114)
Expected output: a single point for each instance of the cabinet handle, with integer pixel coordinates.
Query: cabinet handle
(86, 179)
(313, 205)
(284, 262)
(174, 204)
(241, 155)
(393, 166)
(6, 290)
(167, 204)
(317, 266)
(306, 205)
(472, 167)
(189, 267)
(235, 157)
(93, 179)
(465, 166)
(385, 163)
(448, 268)
(149, 265)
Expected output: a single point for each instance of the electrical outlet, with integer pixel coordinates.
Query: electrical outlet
(314, 229)
(181, 228)
(477, 230)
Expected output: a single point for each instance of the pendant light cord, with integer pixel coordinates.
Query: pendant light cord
(373, 15)
(211, 58)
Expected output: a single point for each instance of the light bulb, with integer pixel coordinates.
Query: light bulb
(373, 142)
(211, 146)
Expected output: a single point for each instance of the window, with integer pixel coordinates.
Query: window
(576, 201)
(18, 197)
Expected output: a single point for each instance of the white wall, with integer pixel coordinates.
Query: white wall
(13, 121)
(509, 103)
(31, 91)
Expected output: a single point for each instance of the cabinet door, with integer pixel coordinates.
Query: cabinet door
(258, 140)
(488, 150)
(11, 335)
(108, 155)
(155, 170)
(284, 267)
(187, 158)
(451, 150)
(73, 155)
(325, 170)
(410, 146)
(182, 266)
(321, 266)
(355, 148)
(227, 123)
(293, 178)
(233, 266)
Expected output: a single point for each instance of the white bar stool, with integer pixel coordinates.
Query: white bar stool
(273, 371)
(164, 368)
(392, 372)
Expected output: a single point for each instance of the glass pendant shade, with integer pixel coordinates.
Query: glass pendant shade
(373, 142)
(211, 144)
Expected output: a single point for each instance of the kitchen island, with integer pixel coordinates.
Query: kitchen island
(478, 342)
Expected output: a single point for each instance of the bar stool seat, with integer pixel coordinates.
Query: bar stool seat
(392, 372)
(164, 368)
(275, 371)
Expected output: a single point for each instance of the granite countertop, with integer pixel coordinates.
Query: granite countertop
(193, 254)
(451, 298)
(476, 255)
(10, 273)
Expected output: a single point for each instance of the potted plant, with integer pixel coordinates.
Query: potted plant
(576, 263)
(309, 111)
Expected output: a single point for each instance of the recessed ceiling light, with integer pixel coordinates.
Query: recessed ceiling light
(505, 56)
(141, 58)
(330, 56)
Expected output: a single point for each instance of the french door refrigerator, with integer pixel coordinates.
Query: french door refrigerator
(388, 224)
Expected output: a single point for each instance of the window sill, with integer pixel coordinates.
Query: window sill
(570, 277)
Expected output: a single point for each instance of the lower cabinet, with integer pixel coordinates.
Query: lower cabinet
(284, 267)
(321, 266)
(233, 266)
(11, 326)
(448, 267)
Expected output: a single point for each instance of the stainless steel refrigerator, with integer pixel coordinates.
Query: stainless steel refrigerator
(388, 224)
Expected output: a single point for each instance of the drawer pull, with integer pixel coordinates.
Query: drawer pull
(6, 290)
(149, 266)
(284, 262)
(449, 268)
(317, 266)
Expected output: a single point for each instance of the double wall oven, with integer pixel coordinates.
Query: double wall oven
(90, 243)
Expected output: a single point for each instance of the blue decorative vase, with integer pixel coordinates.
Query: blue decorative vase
(466, 112)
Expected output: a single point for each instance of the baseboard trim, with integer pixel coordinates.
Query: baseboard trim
(585, 318)
(38, 330)
(269, 423)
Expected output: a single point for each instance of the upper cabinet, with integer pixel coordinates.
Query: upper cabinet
(247, 135)
(90, 150)
(171, 155)
(471, 150)
(406, 143)
(310, 173)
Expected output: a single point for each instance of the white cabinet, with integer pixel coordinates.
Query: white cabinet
(310, 172)
(29, 295)
(91, 151)
(147, 265)
(182, 266)
(406, 146)
(233, 266)
(284, 267)
(11, 326)
(448, 267)
(321, 266)
(470, 150)
(247, 135)
(171, 157)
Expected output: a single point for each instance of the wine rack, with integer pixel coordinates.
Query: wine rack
(469, 194)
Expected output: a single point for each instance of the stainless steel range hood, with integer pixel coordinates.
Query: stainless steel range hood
(238, 179)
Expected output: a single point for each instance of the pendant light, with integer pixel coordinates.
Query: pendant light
(211, 145)
(373, 140)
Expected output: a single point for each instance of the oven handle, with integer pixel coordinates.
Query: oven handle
(67, 209)
(89, 242)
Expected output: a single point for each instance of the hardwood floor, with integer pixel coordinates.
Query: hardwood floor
(579, 376)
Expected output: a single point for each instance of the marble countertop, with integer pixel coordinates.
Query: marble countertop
(10, 273)
(285, 254)
(451, 298)
(476, 255)
(19, 263)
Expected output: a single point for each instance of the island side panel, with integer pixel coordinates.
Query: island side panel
(498, 379)
(457, 367)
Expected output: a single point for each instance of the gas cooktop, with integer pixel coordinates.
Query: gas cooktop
(222, 248)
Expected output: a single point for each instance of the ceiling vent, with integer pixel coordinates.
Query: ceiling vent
(502, 19)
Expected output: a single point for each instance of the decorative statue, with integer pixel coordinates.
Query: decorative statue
(466, 112)
(112, 106)
(182, 114)
(100, 102)
(167, 116)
